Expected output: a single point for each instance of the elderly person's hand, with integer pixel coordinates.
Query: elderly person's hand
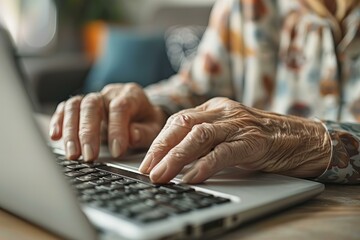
(222, 133)
(121, 111)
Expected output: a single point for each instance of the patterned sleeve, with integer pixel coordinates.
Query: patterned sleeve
(344, 166)
(209, 73)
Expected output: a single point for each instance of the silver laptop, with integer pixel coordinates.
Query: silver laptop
(33, 185)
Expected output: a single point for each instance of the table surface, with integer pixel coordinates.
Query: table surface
(334, 214)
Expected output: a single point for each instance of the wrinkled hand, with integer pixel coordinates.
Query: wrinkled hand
(222, 133)
(121, 110)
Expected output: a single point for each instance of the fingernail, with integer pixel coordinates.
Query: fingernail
(188, 177)
(136, 135)
(70, 149)
(88, 153)
(158, 171)
(53, 131)
(115, 148)
(145, 165)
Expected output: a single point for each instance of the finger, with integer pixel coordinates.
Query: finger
(143, 134)
(91, 115)
(56, 122)
(71, 128)
(198, 142)
(121, 110)
(221, 157)
(175, 130)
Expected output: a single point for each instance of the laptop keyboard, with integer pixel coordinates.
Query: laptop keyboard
(132, 195)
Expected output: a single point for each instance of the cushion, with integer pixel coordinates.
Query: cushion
(130, 56)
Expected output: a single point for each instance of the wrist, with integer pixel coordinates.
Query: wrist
(308, 147)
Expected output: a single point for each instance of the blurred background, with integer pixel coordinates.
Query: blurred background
(69, 47)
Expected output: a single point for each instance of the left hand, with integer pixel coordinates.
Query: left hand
(222, 133)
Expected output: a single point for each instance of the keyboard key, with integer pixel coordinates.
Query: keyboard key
(182, 209)
(88, 170)
(117, 194)
(110, 186)
(139, 186)
(151, 216)
(116, 185)
(138, 208)
(85, 198)
(83, 186)
(103, 197)
(77, 166)
(122, 202)
(162, 198)
(74, 181)
(87, 178)
(99, 182)
(151, 203)
(93, 191)
(66, 170)
(126, 181)
(68, 163)
(179, 188)
(112, 177)
(152, 191)
(93, 164)
(185, 203)
(197, 195)
(167, 209)
(100, 174)
(74, 174)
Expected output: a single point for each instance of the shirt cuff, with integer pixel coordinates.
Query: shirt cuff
(339, 168)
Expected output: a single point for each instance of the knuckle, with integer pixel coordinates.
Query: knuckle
(69, 132)
(120, 105)
(85, 134)
(203, 133)
(159, 146)
(90, 100)
(212, 162)
(224, 150)
(225, 103)
(226, 155)
(110, 86)
(73, 104)
(181, 119)
(206, 166)
(177, 156)
(106, 89)
(220, 99)
(132, 86)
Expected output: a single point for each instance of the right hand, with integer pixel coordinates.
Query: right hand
(123, 111)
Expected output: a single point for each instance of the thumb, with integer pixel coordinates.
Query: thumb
(143, 134)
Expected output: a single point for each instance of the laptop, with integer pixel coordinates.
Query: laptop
(112, 200)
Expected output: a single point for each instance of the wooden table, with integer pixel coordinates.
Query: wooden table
(335, 214)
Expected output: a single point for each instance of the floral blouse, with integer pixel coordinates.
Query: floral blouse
(282, 57)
